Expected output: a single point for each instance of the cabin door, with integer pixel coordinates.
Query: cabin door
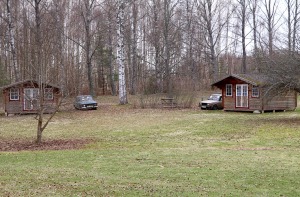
(241, 95)
(31, 98)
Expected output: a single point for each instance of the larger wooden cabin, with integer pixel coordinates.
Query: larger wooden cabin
(23, 97)
(249, 92)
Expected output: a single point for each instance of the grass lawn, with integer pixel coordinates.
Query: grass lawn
(155, 152)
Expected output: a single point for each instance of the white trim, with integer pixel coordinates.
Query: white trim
(30, 95)
(18, 94)
(257, 88)
(226, 92)
(49, 93)
(242, 95)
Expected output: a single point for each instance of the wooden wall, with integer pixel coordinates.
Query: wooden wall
(17, 107)
(287, 101)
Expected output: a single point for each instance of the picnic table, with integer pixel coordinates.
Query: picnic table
(168, 102)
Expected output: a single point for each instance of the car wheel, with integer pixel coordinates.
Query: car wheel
(215, 107)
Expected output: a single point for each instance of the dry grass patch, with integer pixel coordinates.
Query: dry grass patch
(155, 152)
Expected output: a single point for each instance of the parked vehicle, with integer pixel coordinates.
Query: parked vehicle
(214, 102)
(85, 102)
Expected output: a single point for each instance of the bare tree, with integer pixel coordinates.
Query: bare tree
(295, 25)
(134, 37)
(42, 54)
(253, 9)
(154, 40)
(190, 30)
(292, 24)
(11, 30)
(58, 15)
(110, 36)
(86, 14)
(271, 7)
(169, 39)
(39, 74)
(282, 71)
(212, 27)
(242, 15)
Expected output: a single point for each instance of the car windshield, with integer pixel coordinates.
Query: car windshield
(85, 98)
(214, 97)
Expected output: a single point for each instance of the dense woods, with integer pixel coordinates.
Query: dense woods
(145, 46)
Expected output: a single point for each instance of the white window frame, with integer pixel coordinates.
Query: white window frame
(243, 94)
(31, 96)
(48, 94)
(255, 93)
(226, 90)
(14, 94)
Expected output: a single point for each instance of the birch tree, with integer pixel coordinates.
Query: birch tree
(120, 53)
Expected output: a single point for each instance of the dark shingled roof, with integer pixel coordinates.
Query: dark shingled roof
(253, 79)
(26, 81)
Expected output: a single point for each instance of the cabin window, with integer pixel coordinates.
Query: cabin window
(241, 95)
(14, 94)
(31, 98)
(228, 89)
(48, 94)
(255, 91)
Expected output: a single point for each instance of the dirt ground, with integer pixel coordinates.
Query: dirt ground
(20, 145)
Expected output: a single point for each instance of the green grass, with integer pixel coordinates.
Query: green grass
(154, 152)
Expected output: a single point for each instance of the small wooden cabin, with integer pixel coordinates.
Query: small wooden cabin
(23, 97)
(249, 92)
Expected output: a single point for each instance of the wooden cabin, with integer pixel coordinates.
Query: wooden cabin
(250, 92)
(23, 97)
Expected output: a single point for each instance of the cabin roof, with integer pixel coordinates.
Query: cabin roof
(24, 82)
(253, 79)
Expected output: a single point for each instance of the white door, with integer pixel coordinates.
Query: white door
(241, 95)
(31, 98)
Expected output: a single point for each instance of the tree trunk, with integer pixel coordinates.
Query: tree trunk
(15, 67)
(270, 17)
(120, 53)
(295, 25)
(59, 33)
(133, 85)
(243, 18)
(167, 48)
(39, 129)
(40, 71)
(289, 23)
(88, 52)
(207, 16)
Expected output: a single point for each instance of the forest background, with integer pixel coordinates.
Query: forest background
(167, 45)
